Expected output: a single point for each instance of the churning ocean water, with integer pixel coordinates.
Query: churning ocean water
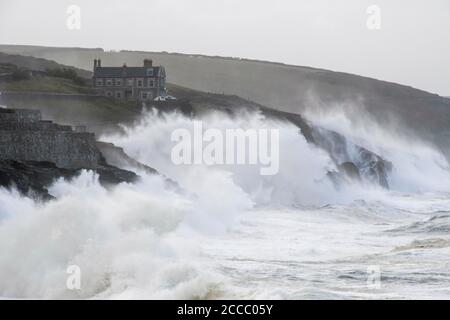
(232, 233)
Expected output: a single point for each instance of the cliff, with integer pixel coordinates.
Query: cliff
(31, 178)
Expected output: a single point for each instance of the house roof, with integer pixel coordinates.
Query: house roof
(132, 72)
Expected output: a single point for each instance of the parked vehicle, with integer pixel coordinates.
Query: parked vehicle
(164, 98)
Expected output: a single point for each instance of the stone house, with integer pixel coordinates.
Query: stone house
(130, 83)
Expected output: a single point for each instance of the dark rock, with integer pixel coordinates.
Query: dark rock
(117, 157)
(350, 170)
(110, 175)
(372, 168)
(347, 156)
(32, 178)
(346, 172)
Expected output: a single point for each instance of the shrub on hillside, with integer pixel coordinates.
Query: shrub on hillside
(66, 73)
(20, 74)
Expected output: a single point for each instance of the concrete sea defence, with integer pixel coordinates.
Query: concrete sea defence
(24, 136)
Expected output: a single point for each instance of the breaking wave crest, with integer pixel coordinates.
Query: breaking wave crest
(142, 240)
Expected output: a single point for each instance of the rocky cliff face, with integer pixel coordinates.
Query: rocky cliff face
(353, 162)
(116, 156)
(31, 178)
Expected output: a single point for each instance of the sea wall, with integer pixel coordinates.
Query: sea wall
(25, 137)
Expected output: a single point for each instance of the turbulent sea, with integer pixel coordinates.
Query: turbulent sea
(228, 232)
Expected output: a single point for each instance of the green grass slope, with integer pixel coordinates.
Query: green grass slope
(42, 83)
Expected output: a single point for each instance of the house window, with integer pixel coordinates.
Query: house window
(146, 95)
(140, 83)
(109, 82)
(150, 72)
(151, 83)
(118, 95)
(99, 82)
(118, 82)
(130, 82)
(109, 94)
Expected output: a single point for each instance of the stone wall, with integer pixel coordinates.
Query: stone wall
(20, 115)
(24, 136)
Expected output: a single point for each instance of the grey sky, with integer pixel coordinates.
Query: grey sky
(412, 47)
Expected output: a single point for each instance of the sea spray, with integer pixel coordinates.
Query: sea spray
(301, 178)
(124, 240)
(417, 166)
(143, 240)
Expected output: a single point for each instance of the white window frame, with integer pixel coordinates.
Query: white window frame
(99, 82)
(118, 82)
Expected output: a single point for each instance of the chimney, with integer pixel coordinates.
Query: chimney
(148, 63)
(95, 63)
(99, 63)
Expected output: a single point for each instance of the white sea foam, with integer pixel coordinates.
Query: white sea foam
(417, 166)
(232, 233)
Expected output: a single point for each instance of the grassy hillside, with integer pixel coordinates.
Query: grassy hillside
(38, 64)
(43, 83)
(102, 115)
(60, 99)
(64, 101)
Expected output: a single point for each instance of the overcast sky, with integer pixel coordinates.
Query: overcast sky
(412, 47)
